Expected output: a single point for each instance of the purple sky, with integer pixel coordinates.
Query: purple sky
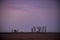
(24, 14)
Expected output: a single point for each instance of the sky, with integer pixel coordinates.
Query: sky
(24, 14)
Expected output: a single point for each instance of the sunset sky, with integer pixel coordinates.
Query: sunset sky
(24, 14)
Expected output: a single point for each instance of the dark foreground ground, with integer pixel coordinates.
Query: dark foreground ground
(29, 36)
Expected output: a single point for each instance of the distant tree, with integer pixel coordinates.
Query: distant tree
(44, 29)
(39, 29)
(33, 29)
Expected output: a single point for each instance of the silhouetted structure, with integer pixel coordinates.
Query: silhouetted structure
(39, 29)
(33, 29)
